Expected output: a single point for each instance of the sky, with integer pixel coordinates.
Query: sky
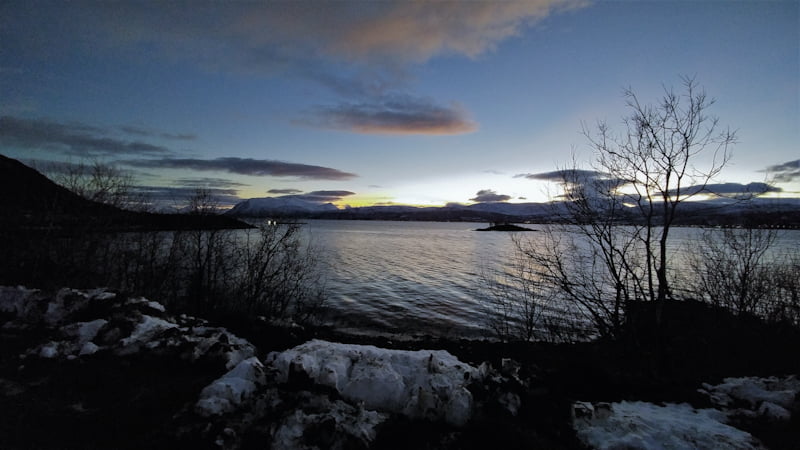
(384, 102)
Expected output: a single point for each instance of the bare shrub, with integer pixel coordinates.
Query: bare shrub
(514, 298)
(269, 271)
(743, 271)
(730, 268)
(611, 247)
(784, 305)
(279, 275)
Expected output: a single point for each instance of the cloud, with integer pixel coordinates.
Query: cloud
(323, 196)
(284, 191)
(580, 183)
(417, 31)
(374, 32)
(559, 176)
(139, 131)
(395, 115)
(488, 195)
(208, 182)
(245, 166)
(178, 197)
(371, 43)
(71, 138)
(785, 172)
(730, 189)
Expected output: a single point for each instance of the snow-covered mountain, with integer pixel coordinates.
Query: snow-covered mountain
(269, 206)
(759, 211)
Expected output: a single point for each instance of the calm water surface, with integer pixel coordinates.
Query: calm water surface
(421, 277)
(408, 277)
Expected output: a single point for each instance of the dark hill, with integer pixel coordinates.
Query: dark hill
(31, 201)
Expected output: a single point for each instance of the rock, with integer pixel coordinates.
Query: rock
(429, 384)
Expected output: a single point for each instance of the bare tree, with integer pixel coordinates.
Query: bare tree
(96, 181)
(612, 245)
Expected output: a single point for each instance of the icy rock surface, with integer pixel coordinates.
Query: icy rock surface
(429, 384)
(641, 425)
(229, 391)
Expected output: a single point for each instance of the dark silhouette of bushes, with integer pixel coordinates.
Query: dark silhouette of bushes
(199, 262)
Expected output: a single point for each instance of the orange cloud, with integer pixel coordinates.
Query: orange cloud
(396, 115)
(415, 31)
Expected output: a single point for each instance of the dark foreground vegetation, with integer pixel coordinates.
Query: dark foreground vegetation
(144, 396)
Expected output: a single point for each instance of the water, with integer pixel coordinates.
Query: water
(424, 277)
(408, 277)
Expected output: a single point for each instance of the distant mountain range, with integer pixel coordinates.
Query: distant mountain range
(30, 200)
(756, 212)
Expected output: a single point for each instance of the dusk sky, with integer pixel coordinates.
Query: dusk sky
(381, 102)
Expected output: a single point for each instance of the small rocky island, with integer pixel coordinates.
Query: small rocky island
(504, 226)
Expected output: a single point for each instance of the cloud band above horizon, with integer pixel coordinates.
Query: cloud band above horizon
(398, 115)
(245, 166)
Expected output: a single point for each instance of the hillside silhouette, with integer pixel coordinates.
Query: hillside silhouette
(31, 201)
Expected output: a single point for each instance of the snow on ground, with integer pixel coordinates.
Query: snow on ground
(641, 425)
(430, 384)
(228, 392)
(648, 426)
(92, 321)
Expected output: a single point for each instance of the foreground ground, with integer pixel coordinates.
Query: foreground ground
(93, 369)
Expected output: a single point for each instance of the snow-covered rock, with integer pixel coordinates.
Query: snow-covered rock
(147, 330)
(229, 391)
(69, 301)
(641, 425)
(429, 384)
(772, 398)
(89, 321)
(18, 302)
(84, 332)
(754, 391)
(349, 427)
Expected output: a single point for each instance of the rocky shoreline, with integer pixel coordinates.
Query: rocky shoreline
(98, 369)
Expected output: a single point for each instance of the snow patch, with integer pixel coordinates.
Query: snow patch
(49, 350)
(69, 301)
(88, 348)
(149, 303)
(427, 384)
(226, 393)
(147, 330)
(84, 331)
(641, 425)
(346, 422)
